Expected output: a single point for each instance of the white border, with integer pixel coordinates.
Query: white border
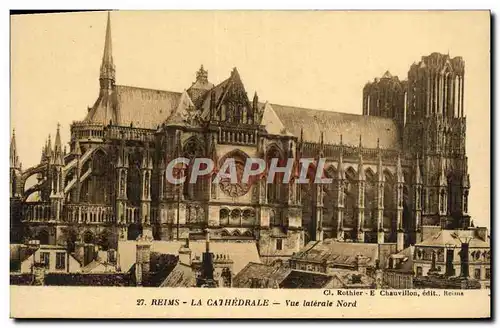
(200, 4)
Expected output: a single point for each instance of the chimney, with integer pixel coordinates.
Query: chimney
(450, 270)
(207, 241)
(464, 261)
(207, 261)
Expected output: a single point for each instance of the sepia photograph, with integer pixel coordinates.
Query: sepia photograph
(296, 163)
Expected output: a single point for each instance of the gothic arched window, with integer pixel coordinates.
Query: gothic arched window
(224, 216)
(274, 190)
(441, 200)
(193, 148)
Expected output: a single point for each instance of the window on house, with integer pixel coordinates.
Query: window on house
(45, 259)
(60, 261)
(488, 273)
(477, 274)
(279, 244)
(419, 271)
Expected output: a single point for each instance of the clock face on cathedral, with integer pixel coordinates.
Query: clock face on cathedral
(235, 189)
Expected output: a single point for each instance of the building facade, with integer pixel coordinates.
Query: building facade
(398, 170)
(465, 254)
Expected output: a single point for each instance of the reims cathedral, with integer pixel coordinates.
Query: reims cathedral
(399, 170)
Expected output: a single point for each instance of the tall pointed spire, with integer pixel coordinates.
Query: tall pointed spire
(57, 144)
(48, 151)
(14, 159)
(255, 102)
(58, 152)
(107, 76)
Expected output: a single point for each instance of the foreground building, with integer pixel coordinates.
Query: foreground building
(463, 254)
(399, 170)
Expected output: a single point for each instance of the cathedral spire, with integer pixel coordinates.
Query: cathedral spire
(107, 75)
(202, 75)
(255, 102)
(14, 159)
(57, 144)
(48, 151)
(58, 152)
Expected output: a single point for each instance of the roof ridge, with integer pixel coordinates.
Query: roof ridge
(335, 112)
(144, 88)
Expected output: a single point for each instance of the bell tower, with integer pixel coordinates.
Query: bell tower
(107, 72)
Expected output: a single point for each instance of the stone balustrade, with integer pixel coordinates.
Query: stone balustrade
(129, 133)
(36, 212)
(88, 213)
(236, 137)
(87, 131)
(332, 151)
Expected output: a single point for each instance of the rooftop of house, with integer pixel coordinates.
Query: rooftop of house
(240, 252)
(182, 275)
(476, 237)
(269, 276)
(352, 279)
(402, 261)
(306, 279)
(337, 253)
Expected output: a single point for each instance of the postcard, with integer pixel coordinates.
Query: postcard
(250, 164)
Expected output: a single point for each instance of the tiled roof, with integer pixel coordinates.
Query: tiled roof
(272, 122)
(333, 124)
(183, 113)
(405, 259)
(97, 266)
(88, 279)
(337, 253)
(455, 238)
(306, 279)
(240, 252)
(267, 275)
(144, 108)
(348, 281)
(181, 276)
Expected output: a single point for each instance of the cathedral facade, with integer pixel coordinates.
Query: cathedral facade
(399, 170)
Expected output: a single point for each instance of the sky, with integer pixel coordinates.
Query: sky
(314, 59)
